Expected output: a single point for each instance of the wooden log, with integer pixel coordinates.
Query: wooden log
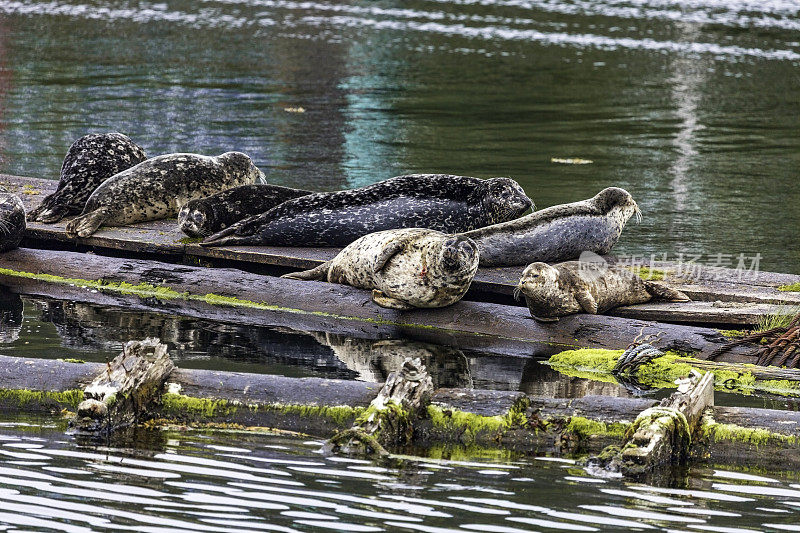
(391, 414)
(121, 394)
(239, 296)
(662, 434)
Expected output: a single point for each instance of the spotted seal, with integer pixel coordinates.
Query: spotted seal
(12, 221)
(157, 188)
(435, 201)
(89, 162)
(405, 268)
(206, 216)
(557, 233)
(589, 287)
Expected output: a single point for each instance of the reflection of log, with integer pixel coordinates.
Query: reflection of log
(229, 295)
(123, 392)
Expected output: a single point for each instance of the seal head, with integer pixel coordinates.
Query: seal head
(12, 221)
(504, 200)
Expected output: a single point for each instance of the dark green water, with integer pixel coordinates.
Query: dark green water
(693, 106)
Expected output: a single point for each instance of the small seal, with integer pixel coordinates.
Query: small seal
(12, 221)
(89, 162)
(405, 268)
(557, 233)
(157, 188)
(586, 287)
(206, 216)
(440, 202)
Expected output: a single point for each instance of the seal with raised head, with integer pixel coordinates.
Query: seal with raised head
(405, 268)
(90, 161)
(553, 291)
(557, 233)
(440, 202)
(157, 188)
(206, 216)
(12, 221)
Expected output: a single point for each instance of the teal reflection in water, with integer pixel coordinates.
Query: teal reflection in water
(692, 106)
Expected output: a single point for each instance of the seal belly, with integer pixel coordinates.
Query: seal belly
(343, 225)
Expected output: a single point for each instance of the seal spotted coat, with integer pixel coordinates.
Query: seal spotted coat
(557, 233)
(159, 187)
(89, 162)
(206, 216)
(435, 201)
(405, 268)
(12, 221)
(586, 287)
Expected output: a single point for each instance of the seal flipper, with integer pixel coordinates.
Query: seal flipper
(88, 223)
(662, 292)
(319, 272)
(52, 209)
(389, 250)
(586, 301)
(390, 303)
(236, 233)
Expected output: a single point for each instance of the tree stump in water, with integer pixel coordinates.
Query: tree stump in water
(662, 434)
(122, 392)
(389, 418)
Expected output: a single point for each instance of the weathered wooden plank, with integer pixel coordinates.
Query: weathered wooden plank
(311, 303)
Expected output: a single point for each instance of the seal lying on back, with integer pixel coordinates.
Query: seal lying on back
(12, 221)
(206, 216)
(89, 162)
(405, 268)
(586, 287)
(558, 233)
(159, 187)
(435, 201)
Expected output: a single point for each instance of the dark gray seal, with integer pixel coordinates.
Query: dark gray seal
(206, 216)
(558, 233)
(586, 287)
(12, 221)
(405, 268)
(89, 162)
(441, 202)
(157, 188)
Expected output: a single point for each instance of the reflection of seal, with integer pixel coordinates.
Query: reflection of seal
(435, 201)
(406, 268)
(557, 233)
(12, 221)
(159, 187)
(575, 287)
(89, 162)
(11, 316)
(205, 216)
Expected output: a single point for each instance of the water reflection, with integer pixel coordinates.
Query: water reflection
(187, 481)
(11, 316)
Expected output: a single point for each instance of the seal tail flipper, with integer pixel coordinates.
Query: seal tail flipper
(662, 292)
(388, 302)
(49, 211)
(88, 223)
(319, 272)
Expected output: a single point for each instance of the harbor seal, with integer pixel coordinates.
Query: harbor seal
(89, 162)
(557, 233)
(578, 286)
(157, 188)
(12, 221)
(206, 216)
(405, 268)
(440, 202)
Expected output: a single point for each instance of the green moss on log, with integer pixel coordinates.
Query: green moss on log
(584, 428)
(792, 287)
(663, 371)
(649, 274)
(471, 424)
(733, 333)
(715, 432)
(24, 397)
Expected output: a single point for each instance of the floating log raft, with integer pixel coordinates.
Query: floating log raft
(321, 407)
(238, 296)
(123, 392)
(722, 296)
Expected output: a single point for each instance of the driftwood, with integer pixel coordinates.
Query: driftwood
(662, 434)
(391, 414)
(237, 296)
(123, 392)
